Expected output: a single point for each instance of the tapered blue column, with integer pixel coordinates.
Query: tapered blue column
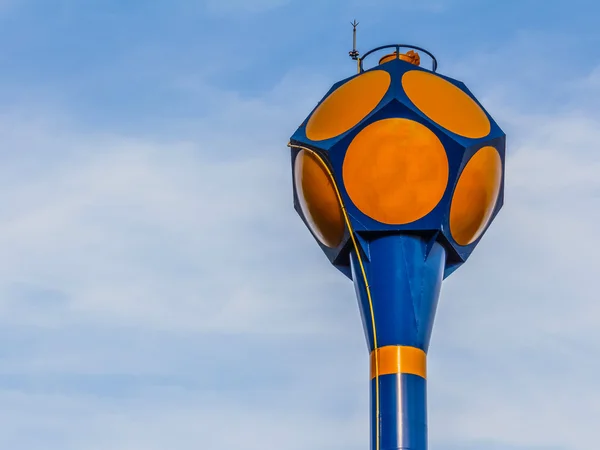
(404, 275)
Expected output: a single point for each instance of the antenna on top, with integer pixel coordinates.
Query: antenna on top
(354, 53)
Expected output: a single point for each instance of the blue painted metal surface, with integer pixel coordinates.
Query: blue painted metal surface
(402, 412)
(405, 276)
(396, 104)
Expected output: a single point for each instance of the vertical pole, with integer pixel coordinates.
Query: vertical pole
(397, 298)
(354, 53)
(402, 418)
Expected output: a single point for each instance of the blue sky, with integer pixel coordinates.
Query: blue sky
(158, 291)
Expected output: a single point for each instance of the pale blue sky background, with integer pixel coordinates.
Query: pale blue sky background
(158, 291)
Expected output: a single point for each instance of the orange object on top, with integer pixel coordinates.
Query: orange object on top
(411, 56)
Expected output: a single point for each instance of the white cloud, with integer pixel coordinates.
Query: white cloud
(167, 264)
(154, 232)
(167, 418)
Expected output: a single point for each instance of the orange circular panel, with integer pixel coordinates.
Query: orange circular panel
(475, 196)
(396, 171)
(446, 104)
(318, 199)
(348, 105)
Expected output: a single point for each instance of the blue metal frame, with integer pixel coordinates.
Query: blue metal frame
(396, 103)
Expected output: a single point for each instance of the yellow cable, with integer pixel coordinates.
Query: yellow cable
(364, 274)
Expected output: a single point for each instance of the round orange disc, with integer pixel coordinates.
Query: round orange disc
(395, 171)
(475, 196)
(318, 199)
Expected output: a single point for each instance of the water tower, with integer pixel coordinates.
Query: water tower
(398, 172)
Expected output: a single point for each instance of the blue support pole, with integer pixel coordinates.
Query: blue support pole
(398, 281)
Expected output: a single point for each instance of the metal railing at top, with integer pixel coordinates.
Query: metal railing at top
(434, 63)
